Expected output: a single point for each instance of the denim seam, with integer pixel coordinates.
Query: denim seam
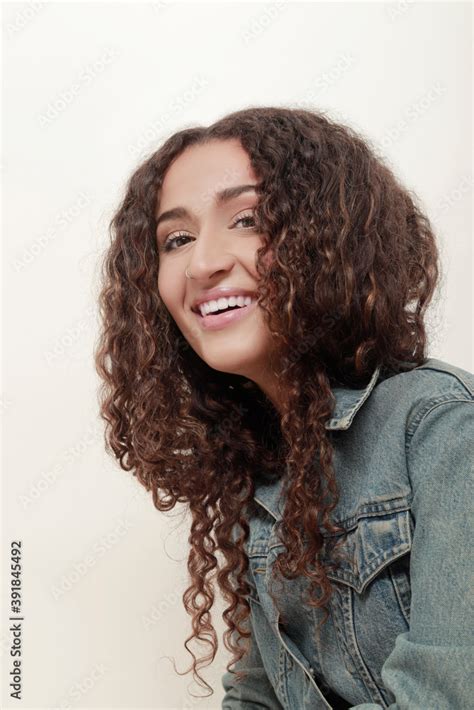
(430, 406)
(342, 639)
(359, 662)
(399, 594)
(292, 663)
(375, 569)
(390, 506)
(282, 672)
(257, 601)
(458, 376)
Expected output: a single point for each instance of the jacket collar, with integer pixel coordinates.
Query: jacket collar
(348, 403)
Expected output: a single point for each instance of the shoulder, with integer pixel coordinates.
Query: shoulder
(439, 433)
(400, 402)
(423, 419)
(418, 391)
(433, 378)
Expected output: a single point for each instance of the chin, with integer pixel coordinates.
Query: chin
(231, 365)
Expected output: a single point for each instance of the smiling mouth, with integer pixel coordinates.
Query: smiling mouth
(220, 319)
(219, 312)
(244, 302)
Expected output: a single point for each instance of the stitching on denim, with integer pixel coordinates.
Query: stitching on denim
(257, 601)
(399, 594)
(446, 398)
(390, 506)
(447, 370)
(357, 657)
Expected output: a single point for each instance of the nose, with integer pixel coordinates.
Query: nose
(209, 255)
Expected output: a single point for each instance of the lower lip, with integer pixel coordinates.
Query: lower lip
(211, 322)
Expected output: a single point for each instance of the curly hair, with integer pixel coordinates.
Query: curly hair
(354, 266)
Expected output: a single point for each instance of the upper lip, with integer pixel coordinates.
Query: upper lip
(223, 292)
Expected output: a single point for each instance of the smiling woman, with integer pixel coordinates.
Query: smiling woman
(208, 255)
(263, 356)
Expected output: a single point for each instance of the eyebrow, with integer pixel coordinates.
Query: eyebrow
(225, 195)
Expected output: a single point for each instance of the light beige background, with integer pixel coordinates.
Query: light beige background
(89, 90)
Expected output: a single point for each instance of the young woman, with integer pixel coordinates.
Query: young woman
(264, 362)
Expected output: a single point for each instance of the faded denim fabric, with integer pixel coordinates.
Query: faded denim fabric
(401, 629)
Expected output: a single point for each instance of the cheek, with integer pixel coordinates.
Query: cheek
(249, 254)
(170, 289)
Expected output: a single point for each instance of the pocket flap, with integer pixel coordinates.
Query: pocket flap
(370, 545)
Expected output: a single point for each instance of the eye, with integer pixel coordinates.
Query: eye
(170, 240)
(243, 218)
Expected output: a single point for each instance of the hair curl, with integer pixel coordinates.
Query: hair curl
(354, 267)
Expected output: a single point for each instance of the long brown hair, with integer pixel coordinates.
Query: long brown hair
(354, 267)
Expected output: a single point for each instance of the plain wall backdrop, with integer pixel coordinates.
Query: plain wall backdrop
(89, 90)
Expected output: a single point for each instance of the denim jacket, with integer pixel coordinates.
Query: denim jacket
(401, 628)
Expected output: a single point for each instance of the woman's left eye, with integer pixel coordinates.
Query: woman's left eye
(243, 218)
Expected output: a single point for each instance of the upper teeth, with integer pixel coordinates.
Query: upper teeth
(221, 303)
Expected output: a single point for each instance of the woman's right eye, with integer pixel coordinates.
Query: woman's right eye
(171, 240)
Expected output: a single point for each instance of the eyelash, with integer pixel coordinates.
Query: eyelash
(167, 242)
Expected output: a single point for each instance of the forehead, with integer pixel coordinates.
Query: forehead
(202, 170)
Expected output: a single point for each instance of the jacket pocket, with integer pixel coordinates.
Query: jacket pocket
(373, 541)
